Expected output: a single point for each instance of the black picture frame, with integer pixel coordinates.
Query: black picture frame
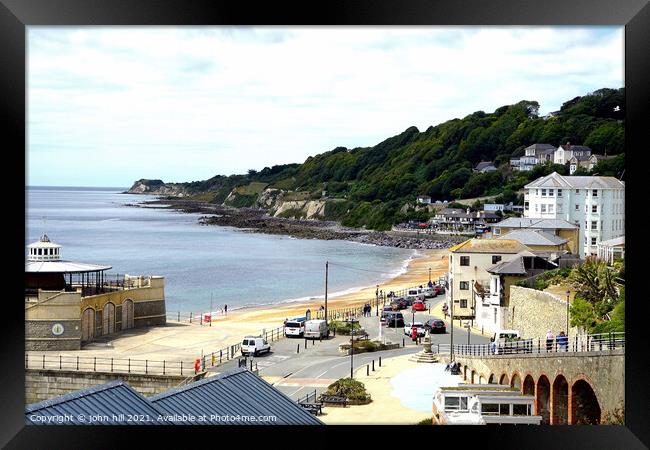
(15, 15)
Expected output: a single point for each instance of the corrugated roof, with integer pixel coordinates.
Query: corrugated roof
(115, 401)
(534, 237)
(489, 246)
(527, 222)
(232, 393)
(555, 180)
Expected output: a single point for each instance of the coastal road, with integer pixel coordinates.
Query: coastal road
(314, 367)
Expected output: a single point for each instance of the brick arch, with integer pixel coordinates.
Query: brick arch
(465, 373)
(473, 377)
(515, 379)
(584, 403)
(560, 400)
(503, 379)
(481, 379)
(492, 379)
(528, 384)
(543, 397)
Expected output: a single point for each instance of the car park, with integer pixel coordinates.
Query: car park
(435, 326)
(418, 325)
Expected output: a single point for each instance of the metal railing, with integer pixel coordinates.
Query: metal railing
(142, 366)
(572, 344)
(306, 398)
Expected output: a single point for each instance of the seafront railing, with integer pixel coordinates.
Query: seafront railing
(573, 344)
(78, 363)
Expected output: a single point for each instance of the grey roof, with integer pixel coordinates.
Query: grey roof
(512, 267)
(542, 149)
(62, 267)
(232, 393)
(111, 399)
(581, 157)
(534, 237)
(555, 180)
(484, 165)
(616, 242)
(542, 224)
(576, 148)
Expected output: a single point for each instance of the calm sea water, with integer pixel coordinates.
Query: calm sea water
(234, 267)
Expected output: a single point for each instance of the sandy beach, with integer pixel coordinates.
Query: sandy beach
(184, 341)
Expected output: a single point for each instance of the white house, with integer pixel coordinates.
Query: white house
(564, 153)
(595, 204)
(424, 199)
(533, 155)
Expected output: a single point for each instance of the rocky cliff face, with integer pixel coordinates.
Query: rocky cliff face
(158, 187)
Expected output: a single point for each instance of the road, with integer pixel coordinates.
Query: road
(297, 370)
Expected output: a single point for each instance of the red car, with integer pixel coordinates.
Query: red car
(419, 306)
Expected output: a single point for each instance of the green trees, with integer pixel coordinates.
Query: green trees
(599, 303)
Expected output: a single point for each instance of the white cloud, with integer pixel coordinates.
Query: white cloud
(110, 105)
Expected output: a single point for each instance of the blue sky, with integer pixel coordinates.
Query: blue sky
(110, 105)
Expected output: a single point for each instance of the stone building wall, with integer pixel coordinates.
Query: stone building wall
(51, 312)
(45, 384)
(534, 312)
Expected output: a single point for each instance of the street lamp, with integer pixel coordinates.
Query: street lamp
(352, 351)
(377, 300)
(429, 274)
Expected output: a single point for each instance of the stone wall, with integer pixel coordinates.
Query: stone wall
(45, 384)
(604, 371)
(39, 335)
(533, 313)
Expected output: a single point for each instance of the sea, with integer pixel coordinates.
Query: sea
(203, 265)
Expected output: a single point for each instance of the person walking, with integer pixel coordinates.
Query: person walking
(549, 340)
(563, 341)
(225, 309)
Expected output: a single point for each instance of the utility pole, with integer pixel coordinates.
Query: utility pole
(429, 274)
(451, 299)
(377, 300)
(352, 352)
(326, 271)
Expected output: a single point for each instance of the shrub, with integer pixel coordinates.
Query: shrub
(428, 421)
(353, 390)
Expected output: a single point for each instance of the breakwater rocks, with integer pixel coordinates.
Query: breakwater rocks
(257, 220)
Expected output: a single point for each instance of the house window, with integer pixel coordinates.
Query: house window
(543, 192)
(504, 409)
(550, 193)
(594, 193)
(594, 208)
(559, 192)
(455, 403)
(577, 207)
(464, 285)
(593, 241)
(487, 408)
(594, 224)
(521, 410)
(464, 260)
(578, 191)
(536, 207)
(543, 208)
(463, 303)
(495, 315)
(495, 259)
(550, 208)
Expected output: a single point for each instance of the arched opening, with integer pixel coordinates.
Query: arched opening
(585, 409)
(529, 386)
(127, 314)
(560, 409)
(108, 319)
(87, 324)
(473, 378)
(481, 379)
(515, 382)
(465, 373)
(504, 379)
(492, 379)
(542, 399)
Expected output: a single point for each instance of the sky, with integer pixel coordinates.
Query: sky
(109, 105)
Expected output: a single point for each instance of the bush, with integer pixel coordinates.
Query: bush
(343, 327)
(353, 390)
(428, 421)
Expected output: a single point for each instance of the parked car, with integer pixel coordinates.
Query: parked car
(429, 292)
(295, 327)
(394, 320)
(254, 345)
(409, 326)
(439, 289)
(419, 306)
(316, 329)
(435, 326)
(400, 303)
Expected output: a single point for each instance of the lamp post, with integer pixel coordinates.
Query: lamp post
(352, 351)
(377, 300)
(429, 274)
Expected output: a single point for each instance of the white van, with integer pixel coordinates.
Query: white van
(316, 329)
(504, 340)
(295, 327)
(415, 294)
(254, 345)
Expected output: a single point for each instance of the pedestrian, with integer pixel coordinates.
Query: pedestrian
(225, 309)
(430, 284)
(549, 340)
(493, 346)
(563, 341)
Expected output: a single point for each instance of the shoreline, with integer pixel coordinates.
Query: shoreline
(272, 315)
